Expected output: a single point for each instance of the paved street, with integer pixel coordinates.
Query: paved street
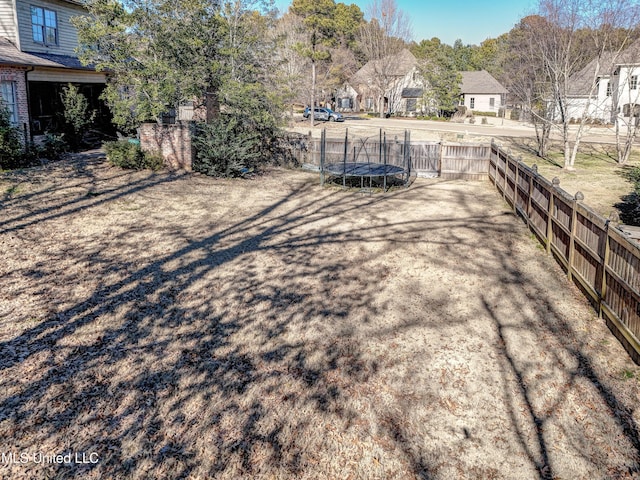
(432, 130)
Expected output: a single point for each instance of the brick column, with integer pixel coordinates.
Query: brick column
(172, 142)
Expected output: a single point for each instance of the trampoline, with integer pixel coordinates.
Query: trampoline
(381, 162)
(361, 169)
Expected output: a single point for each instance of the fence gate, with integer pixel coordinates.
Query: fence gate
(425, 158)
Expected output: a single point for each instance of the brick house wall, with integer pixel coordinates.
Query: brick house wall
(173, 142)
(16, 75)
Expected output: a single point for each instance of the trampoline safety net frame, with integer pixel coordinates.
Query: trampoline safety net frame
(381, 161)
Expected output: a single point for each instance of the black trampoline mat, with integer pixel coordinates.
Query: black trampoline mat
(361, 169)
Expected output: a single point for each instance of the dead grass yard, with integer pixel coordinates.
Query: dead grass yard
(180, 326)
(604, 182)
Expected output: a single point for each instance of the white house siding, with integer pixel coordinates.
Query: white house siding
(576, 107)
(597, 107)
(8, 21)
(67, 35)
(625, 95)
(482, 102)
(601, 107)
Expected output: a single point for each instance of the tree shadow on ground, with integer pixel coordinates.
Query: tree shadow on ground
(540, 404)
(181, 343)
(250, 340)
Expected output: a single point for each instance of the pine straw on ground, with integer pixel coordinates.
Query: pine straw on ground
(178, 326)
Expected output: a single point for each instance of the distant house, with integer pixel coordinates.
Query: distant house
(607, 89)
(392, 84)
(481, 92)
(37, 59)
(404, 89)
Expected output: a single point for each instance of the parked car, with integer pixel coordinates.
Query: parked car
(326, 114)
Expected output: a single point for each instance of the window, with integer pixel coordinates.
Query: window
(44, 26)
(628, 108)
(9, 100)
(492, 102)
(369, 103)
(633, 82)
(472, 103)
(412, 104)
(608, 89)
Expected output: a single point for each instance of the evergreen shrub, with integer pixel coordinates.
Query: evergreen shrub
(129, 155)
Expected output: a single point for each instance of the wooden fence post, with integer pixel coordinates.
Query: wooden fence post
(515, 185)
(572, 239)
(555, 184)
(506, 177)
(605, 263)
(323, 153)
(492, 146)
(344, 157)
(534, 168)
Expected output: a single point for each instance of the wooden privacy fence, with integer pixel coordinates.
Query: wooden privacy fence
(428, 159)
(596, 255)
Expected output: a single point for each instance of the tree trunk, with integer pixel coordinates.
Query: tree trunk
(543, 130)
(625, 143)
(313, 92)
(212, 104)
(569, 159)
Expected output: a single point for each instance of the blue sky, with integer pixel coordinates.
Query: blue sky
(470, 20)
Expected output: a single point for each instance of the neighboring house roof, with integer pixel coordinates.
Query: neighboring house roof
(10, 55)
(581, 83)
(412, 92)
(392, 66)
(480, 82)
(64, 61)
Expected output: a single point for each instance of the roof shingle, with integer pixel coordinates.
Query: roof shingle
(480, 82)
(10, 55)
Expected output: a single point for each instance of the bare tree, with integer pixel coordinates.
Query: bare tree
(381, 40)
(529, 84)
(574, 32)
(289, 77)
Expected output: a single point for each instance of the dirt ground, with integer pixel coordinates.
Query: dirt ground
(170, 325)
